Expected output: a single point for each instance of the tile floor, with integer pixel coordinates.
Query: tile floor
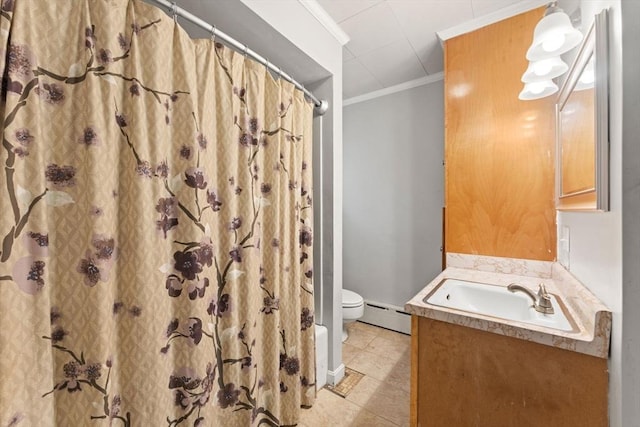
(381, 398)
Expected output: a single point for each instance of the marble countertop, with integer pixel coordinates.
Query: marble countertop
(591, 317)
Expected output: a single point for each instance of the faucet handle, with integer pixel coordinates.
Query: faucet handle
(542, 291)
(544, 299)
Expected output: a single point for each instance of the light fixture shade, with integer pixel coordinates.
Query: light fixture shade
(587, 78)
(537, 90)
(553, 36)
(545, 69)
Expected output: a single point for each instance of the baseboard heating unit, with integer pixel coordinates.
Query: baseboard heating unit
(386, 316)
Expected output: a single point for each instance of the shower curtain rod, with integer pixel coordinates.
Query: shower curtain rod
(321, 105)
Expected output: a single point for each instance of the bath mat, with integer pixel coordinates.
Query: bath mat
(350, 380)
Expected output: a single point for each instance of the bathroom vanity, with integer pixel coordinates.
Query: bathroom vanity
(472, 367)
(481, 355)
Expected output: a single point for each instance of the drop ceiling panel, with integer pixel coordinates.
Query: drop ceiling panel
(421, 19)
(393, 64)
(371, 29)
(346, 54)
(343, 9)
(431, 55)
(357, 79)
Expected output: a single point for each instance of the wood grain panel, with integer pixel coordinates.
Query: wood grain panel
(499, 151)
(470, 377)
(578, 142)
(413, 407)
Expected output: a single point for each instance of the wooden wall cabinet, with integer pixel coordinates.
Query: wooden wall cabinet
(468, 377)
(499, 150)
(582, 125)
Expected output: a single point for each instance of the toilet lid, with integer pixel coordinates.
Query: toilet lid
(351, 299)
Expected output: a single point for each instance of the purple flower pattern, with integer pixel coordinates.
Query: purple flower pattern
(187, 264)
(81, 375)
(95, 267)
(20, 64)
(270, 305)
(192, 261)
(92, 271)
(168, 210)
(51, 93)
(89, 137)
(7, 5)
(213, 201)
(195, 178)
(104, 57)
(228, 396)
(60, 176)
(29, 274)
(23, 137)
(306, 319)
(185, 152)
(90, 37)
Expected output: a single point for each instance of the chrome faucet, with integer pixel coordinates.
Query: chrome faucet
(541, 301)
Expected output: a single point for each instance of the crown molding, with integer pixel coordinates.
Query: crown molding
(491, 18)
(325, 20)
(432, 78)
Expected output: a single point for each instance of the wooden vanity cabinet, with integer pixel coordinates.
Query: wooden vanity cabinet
(464, 377)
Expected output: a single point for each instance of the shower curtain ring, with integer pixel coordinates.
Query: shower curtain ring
(213, 33)
(246, 48)
(174, 11)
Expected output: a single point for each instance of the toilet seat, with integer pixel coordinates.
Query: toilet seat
(351, 299)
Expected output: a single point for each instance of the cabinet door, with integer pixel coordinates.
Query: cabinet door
(468, 377)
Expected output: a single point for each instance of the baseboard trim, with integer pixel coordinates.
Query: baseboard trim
(387, 316)
(334, 377)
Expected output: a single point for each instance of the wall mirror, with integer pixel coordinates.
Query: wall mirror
(582, 126)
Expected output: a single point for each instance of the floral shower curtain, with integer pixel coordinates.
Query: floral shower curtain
(155, 225)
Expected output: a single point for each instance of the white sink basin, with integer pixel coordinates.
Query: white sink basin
(496, 301)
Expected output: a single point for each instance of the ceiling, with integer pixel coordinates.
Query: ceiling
(394, 41)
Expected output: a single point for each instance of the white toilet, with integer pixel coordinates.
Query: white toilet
(352, 309)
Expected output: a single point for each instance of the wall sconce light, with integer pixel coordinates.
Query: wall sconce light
(554, 35)
(587, 78)
(545, 69)
(537, 90)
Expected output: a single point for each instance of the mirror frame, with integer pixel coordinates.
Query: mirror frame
(595, 42)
